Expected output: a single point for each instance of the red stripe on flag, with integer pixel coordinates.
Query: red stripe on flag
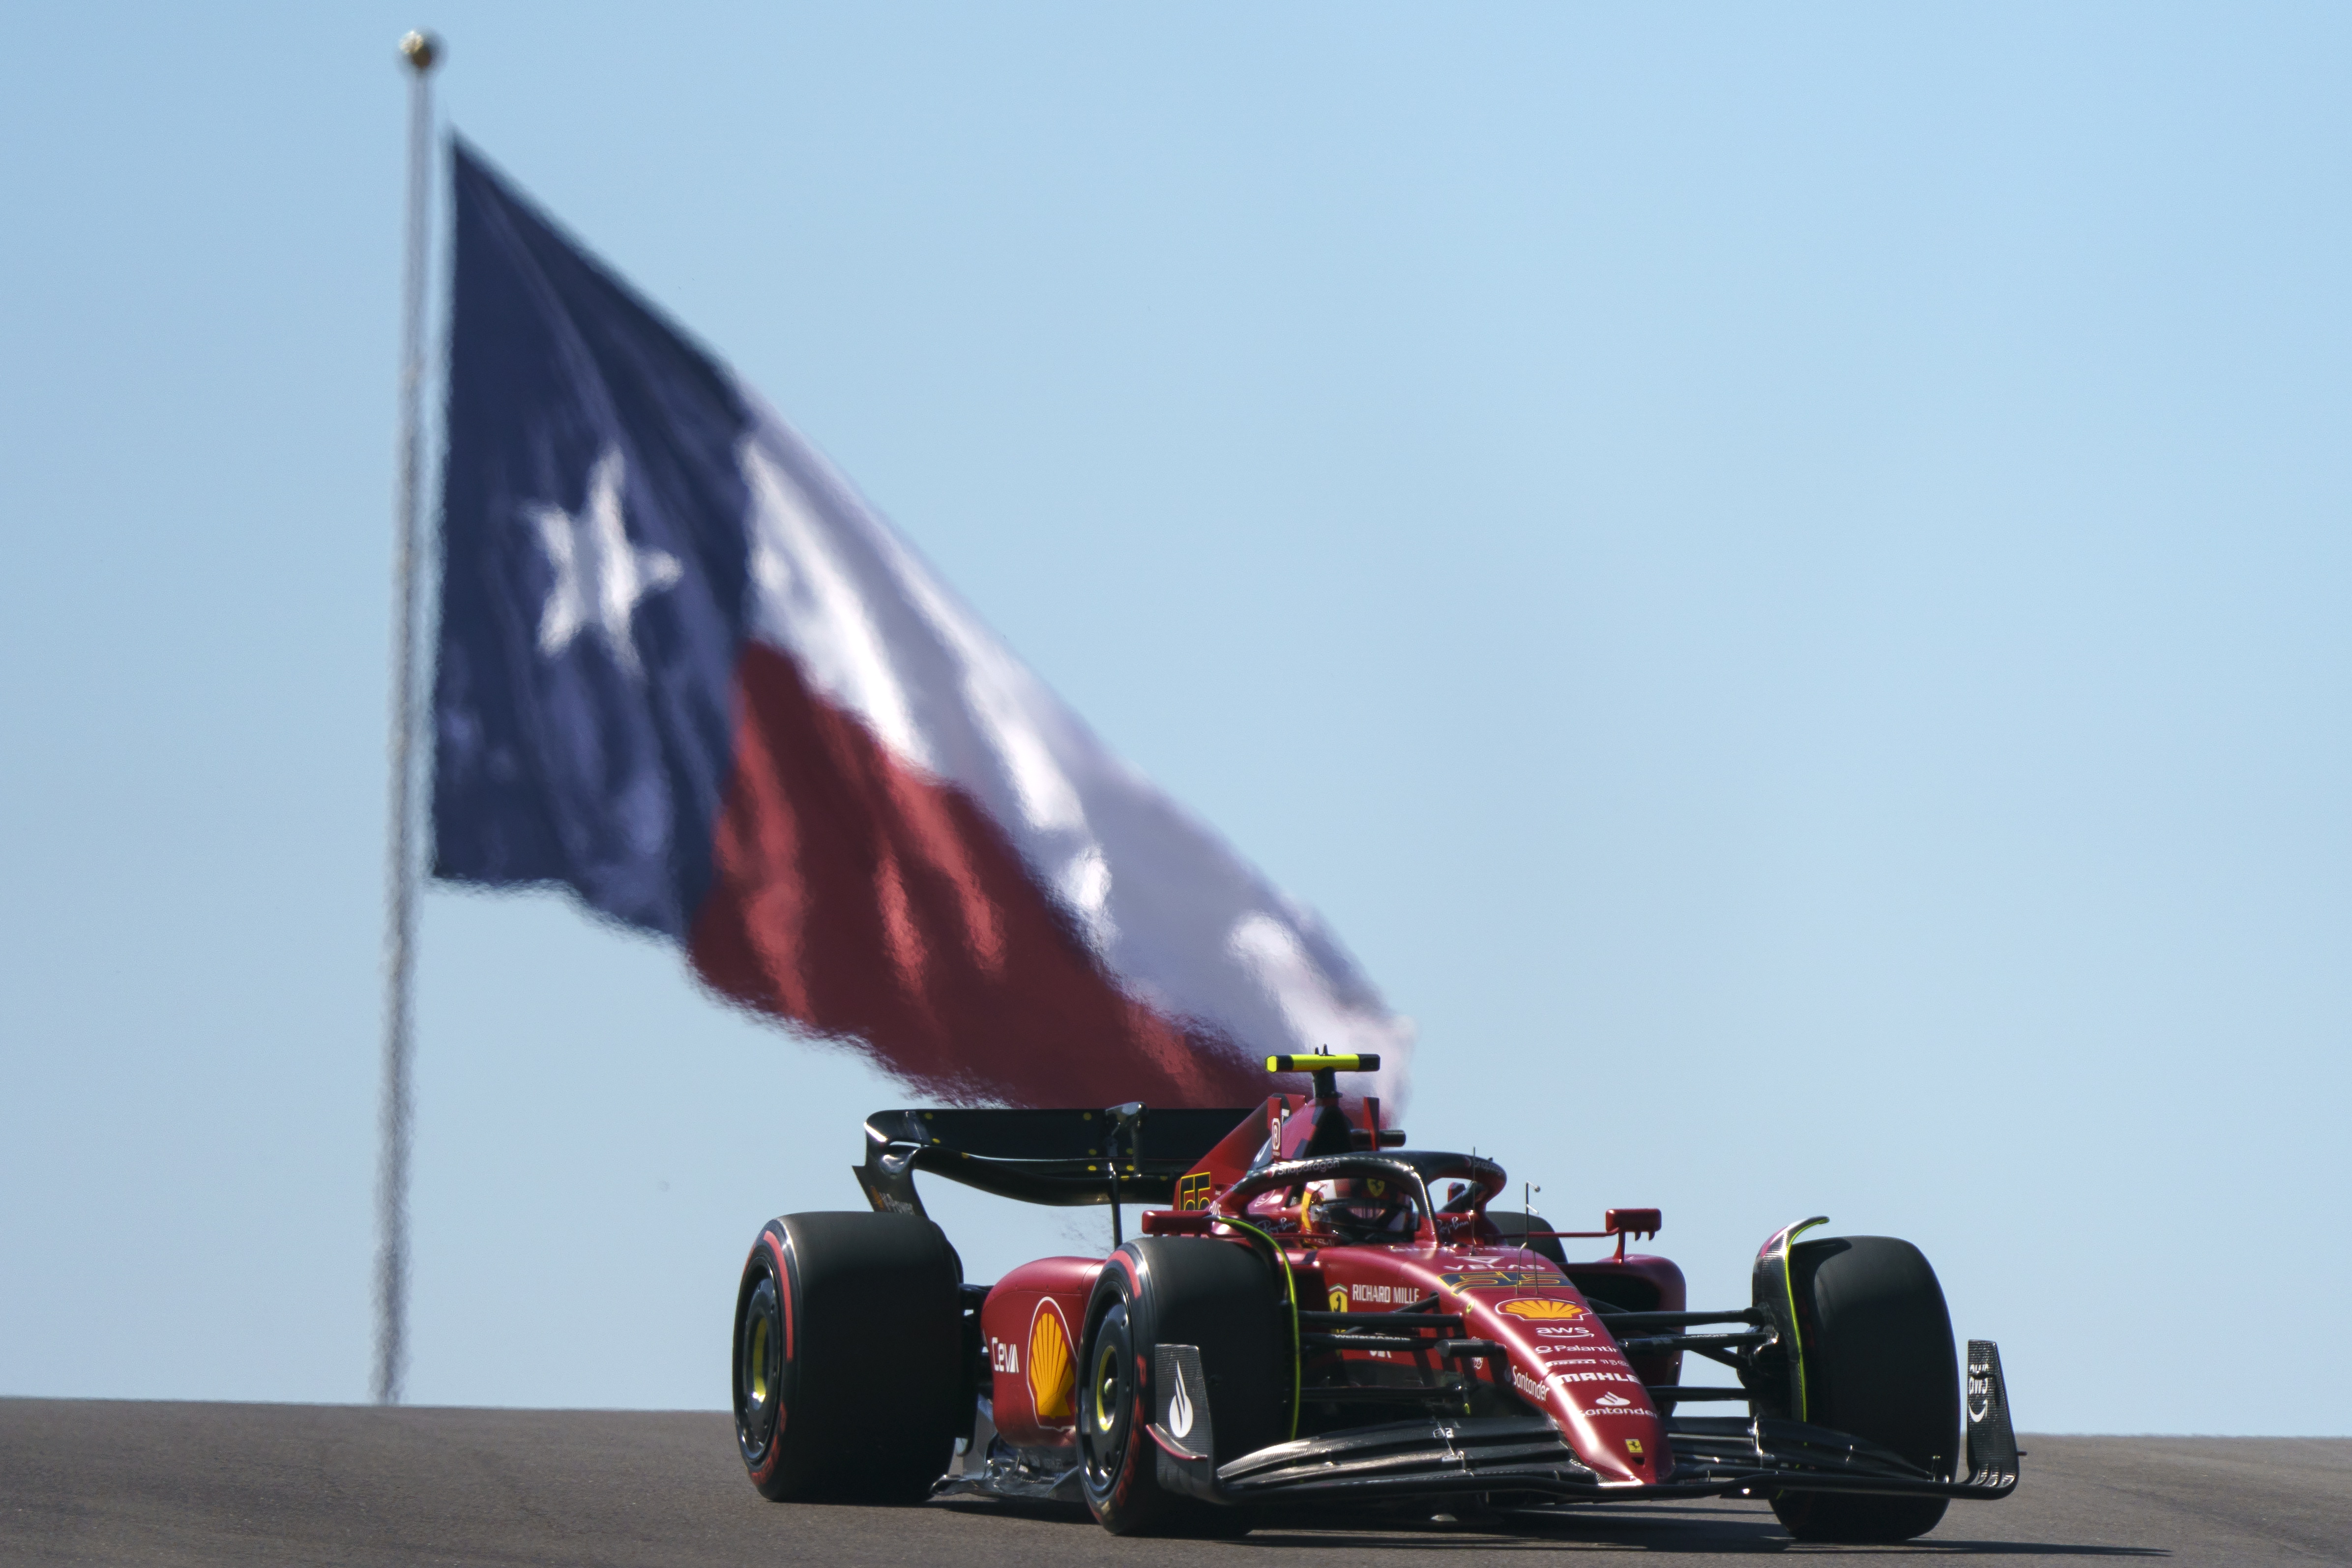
(860, 897)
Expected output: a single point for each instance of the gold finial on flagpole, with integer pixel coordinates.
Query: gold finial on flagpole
(421, 49)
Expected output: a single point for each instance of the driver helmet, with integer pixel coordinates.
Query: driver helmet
(1358, 1209)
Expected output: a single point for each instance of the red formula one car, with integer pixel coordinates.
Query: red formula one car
(1322, 1315)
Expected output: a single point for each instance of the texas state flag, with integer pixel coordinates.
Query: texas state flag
(686, 672)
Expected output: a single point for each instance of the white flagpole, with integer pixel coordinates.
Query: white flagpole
(420, 50)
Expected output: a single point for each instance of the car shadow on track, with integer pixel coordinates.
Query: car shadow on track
(1724, 1533)
(1675, 1532)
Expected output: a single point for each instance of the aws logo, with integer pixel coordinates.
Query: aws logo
(1052, 1367)
(1543, 1311)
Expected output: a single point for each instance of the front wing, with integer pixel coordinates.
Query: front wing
(1524, 1456)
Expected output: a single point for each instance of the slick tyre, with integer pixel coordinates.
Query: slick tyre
(1878, 1363)
(848, 1369)
(1219, 1296)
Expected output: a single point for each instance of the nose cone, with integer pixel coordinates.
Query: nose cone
(1564, 1362)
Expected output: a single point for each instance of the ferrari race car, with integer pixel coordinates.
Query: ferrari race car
(1320, 1314)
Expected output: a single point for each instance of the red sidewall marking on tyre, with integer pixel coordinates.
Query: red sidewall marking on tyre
(784, 1311)
(766, 1468)
(784, 1289)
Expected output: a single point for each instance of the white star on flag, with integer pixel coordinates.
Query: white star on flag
(600, 576)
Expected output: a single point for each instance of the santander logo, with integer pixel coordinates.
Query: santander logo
(1612, 1399)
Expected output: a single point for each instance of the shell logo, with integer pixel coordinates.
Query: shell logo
(1053, 1369)
(1548, 1311)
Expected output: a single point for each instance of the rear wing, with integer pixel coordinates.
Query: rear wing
(1039, 1156)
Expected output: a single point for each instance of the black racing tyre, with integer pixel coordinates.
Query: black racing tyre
(848, 1358)
(1515, 1224)
(1878, 1363)
(1165, 1290)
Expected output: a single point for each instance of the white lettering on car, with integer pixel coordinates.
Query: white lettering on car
(1534, 1388)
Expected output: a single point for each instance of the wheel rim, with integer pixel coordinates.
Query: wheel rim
(1105, 1419)
(1107, 1389)
(755, 1363)
(758, 1368)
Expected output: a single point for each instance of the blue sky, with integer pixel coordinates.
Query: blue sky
(1779, 578)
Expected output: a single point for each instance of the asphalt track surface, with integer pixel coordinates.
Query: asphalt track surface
(104, 1481)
